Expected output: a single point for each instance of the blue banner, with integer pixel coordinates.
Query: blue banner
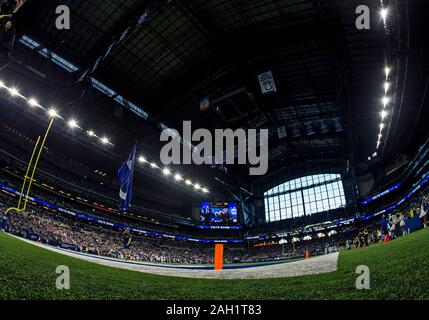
(125, 177)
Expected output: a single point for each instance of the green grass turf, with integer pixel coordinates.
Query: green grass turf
(399, 270)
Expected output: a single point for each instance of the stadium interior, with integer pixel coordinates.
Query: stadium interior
(345, 112)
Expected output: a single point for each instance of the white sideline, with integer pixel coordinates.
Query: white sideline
(317, 265)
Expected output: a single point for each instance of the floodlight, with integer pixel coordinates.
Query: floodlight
(32, 102)
(383, 13)
(52, 113)
(14, 91)
(72, 123)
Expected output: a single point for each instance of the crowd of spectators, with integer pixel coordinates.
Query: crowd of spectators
(396, 224)
(57, 230)
(90, 237)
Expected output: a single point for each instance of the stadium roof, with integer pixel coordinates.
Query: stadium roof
(161, 58)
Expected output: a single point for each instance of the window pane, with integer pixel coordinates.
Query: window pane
(314, 199)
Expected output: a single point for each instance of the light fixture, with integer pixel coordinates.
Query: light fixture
(197, 186)
(72, 123)
(32, 102)
(104, 140)
(13, 91)
(153, 165)
(166, 171)
(177, 177)
(386, 87)
(52, 113)
(381, 126)
(188, 182)
(384, 114)
(385, 101)
(383, 13)
(90, 133)
(142, 159)
(205, 190)
(387, 72)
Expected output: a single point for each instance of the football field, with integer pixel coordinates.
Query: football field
(398, 270)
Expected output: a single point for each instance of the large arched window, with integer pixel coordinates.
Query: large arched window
(306, 195)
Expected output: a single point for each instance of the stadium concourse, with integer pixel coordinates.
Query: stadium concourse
(208, 140)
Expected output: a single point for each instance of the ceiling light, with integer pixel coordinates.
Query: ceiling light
(32, 102)
(188, 182)
(383, 13)
(197, 186)
(166, 171)
(14, 91)
(52, 113)
(104, 140)
(381, 126)
(72, 123)
(205, 190)
(177, 177)
(153, 165)
(90, 133)
(142, 159)
(384, 114)
(385, 101)
(387, 71)
(386, 87)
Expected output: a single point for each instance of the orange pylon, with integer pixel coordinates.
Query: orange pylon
(218, 258)
(306, 253)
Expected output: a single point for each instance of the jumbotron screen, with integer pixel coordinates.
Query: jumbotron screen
(218, 213)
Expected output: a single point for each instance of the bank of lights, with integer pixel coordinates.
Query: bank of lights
(52, 113)
(385, 102)
(177, 176)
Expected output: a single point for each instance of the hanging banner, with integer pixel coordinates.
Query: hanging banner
(266, 81)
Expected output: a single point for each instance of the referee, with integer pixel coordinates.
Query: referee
(7, 28)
